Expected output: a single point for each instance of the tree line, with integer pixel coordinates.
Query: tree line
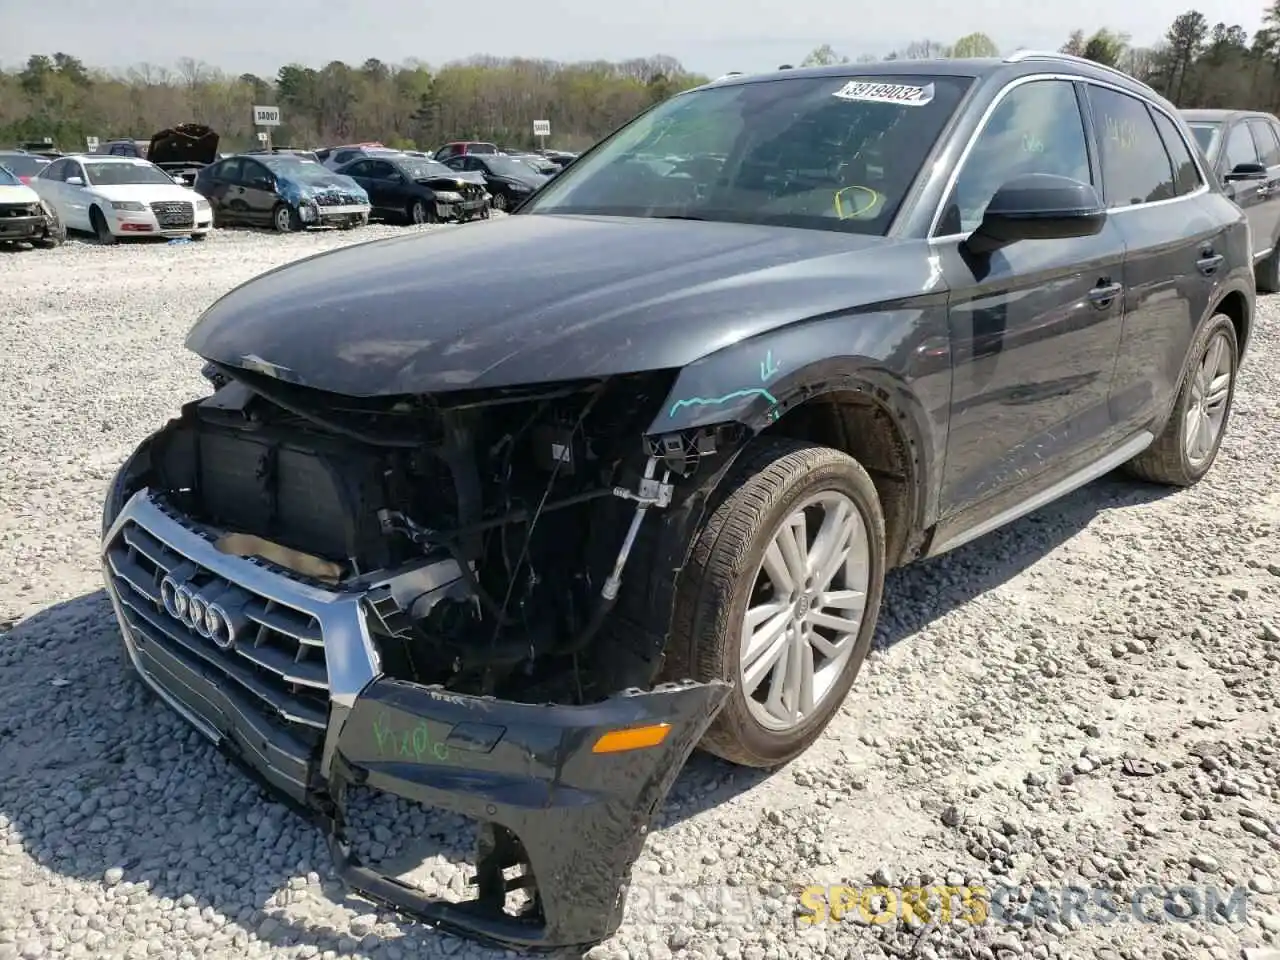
(411, 105)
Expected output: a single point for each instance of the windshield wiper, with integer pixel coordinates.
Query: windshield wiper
(678, 216)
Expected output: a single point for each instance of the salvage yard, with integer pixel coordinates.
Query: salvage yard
(1085, 698)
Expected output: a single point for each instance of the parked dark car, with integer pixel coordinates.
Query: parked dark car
(417, 190)
(1243, 148)
(125, 148)
(23, 165)
(509, 180)
(302, 152)
(540, 164)
(281, 191)
(512, 541)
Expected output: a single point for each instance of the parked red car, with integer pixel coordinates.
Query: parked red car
(460, 147)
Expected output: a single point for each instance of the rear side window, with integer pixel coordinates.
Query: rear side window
(1186, 177)
(1265, 140)
(55, 171)
(1135, 167)
(1240, 148)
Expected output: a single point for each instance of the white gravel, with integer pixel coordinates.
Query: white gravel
(985, 742)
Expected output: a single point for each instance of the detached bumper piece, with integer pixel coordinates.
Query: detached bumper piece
(565, 793)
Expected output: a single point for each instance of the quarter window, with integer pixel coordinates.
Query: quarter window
(1037, 128)
(1186, 176)
(1240, 148)
(1265, 140)
(1135, 166)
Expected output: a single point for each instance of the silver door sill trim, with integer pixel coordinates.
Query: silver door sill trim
(1075, 481)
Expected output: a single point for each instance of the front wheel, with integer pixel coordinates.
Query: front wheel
(285, 219)
(1186, 449)
(420, 213)
(780, 597)
(101, 230)
(500, 202)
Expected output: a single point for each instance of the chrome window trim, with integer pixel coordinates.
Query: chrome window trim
(1071, 78)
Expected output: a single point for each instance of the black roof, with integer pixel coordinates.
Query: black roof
(1022, 62)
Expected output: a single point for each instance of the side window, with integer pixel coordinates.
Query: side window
(1036, 128)
(1135, 167)
(344, 156)
(446, 152)
(255, 174)
(1240, 148)
(1265, 140)
(55, 171)
(232, 171)
(1186, 177)
(75, 170)
(360, 169)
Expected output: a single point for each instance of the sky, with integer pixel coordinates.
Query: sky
(707, 36)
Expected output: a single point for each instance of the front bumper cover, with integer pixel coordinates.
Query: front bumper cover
(527, 773)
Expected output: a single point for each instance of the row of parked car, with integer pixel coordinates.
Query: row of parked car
(178, 184)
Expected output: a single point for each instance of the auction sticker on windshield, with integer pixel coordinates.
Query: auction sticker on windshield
(896, 93)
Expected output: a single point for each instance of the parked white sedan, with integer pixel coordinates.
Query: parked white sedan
(121, 197)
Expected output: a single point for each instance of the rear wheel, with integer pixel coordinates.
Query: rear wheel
(100, 228)
(285, 219)
(1185, 451)
(780, 597)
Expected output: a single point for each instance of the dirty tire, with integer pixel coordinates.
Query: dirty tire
(771, 477)
(55, 231)
(100, 229)
(1166, 461)
(420, 213)
(500, 202)
(284, 219)
(1267, 273)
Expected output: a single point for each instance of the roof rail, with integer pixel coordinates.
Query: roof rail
(1018, 56)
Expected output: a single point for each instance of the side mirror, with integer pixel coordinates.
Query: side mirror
(1038, 206)
(75, 181)
(1247, 171)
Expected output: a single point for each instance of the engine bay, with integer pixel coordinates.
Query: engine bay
(487, 531)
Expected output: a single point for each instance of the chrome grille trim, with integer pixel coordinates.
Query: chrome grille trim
(320, 621)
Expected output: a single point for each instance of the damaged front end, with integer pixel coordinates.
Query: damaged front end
(457, 599)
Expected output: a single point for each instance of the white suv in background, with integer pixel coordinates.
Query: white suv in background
(115, 197)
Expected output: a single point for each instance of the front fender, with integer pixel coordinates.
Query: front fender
(900, 358)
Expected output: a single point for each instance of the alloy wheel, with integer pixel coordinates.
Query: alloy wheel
(1207, 408)
(806, 609)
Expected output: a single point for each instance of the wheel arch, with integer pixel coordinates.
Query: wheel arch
(1237, 305)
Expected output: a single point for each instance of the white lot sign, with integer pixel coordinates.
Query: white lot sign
(542, 128)
(266, 116)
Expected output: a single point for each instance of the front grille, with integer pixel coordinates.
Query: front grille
(337, 199)
(19, 209)
(174, 214)
(277, 662)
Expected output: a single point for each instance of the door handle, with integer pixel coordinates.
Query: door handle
(1104, 293)
(1209, 261)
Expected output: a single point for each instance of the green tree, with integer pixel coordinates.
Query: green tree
(975, 45)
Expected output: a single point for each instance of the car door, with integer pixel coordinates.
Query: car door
(1267, 227)
(1034, 325)
(1248, 193)
(258, 187)
(77, 198)
(226, 194)
(49, 185)
(384, 187)
(361, 172)
(1153, 189)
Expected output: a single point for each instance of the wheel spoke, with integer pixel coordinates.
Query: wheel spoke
(767, 659)
(802, 697)
(823, 645)
(793, 541)
(851, 600)
(775, 567)
(776, 703)
(759, 614)
(832, 537)
(820, 618)
(1204, 436)
(1190, 423)
(1217, 393)
(1213, 358)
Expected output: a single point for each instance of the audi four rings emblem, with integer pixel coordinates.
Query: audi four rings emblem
(203, 609)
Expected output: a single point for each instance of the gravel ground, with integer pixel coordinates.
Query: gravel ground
(1086, 698)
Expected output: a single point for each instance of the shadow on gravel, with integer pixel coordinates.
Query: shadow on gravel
(97, 775)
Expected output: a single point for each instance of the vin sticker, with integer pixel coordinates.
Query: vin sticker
(899, 93)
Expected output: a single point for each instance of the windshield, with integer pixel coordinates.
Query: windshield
(118, 174)
(8, 179)
(1205, 133)
(509, 167)
(835, 153)
(426, 169)
(23, 165)
(304, 171)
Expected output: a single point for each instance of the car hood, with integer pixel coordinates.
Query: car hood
(146, 192)
(186, 143)
(17, 194)
(537, 298)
